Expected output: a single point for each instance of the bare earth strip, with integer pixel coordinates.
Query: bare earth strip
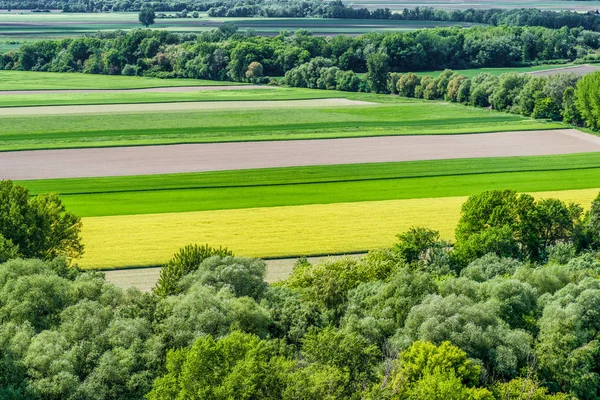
(188, 106)
(148, 160)
(579, 70)
(144, 279)
(178, 89)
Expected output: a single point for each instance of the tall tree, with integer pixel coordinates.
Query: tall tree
(146, 16)
(378, 71)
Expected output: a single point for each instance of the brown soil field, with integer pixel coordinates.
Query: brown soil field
(579, 70)
(178, 89)
(185, 106)
(147, 160)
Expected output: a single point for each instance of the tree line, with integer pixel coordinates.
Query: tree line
(324, 9)
(564, 97)
(224, 54)
(509, 309)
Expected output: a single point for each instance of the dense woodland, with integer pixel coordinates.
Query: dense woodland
(224, 54)
(510, 309)
(321, 9)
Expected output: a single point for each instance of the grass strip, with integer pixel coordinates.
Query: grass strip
(54, 99)
(28, 80)
(320, 185)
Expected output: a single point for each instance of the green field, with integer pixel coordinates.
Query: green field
(268, 94)
(91, 197)
(389, 116)
(27, 25)
(399, 5)
(219, 206)
(26, 80)
(496, 71)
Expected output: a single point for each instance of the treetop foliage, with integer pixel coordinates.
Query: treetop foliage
(418, 320)
(187, 260)
(36, 227)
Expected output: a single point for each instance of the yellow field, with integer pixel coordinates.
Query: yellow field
(152, 239)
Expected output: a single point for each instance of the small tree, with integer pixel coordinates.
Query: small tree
(255, 71)
(407, 83)
(146, 16)
(546, 108)
(187, 260)
(37, 227)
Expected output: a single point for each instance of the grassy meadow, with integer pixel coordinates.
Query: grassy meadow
(387, 116)
(24, 25)
(557, 5)
(27, 80)
(497, 71)
(134, 97)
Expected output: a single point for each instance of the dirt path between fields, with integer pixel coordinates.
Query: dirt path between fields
(144, 279)
(166, 159)
(182, 106)
(172, 89)
(578, 69)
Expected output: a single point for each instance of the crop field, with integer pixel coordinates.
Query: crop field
(18, 26)
(499, 71)
(26, 80)
(142, 220)
(151, 239)
(223, 190)
(399, 5)
(232, 122)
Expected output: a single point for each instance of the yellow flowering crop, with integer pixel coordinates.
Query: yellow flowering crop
(151, 239)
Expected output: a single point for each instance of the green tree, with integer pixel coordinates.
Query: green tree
(36, 227)
(407, 83)
(346, 351)
(146, 16)
(255, 71)
(377, 72)
(243, 276)
(427, 371)
(570, 112)
(393, 79)
(238, 366)
(509, 86)
(187, 260)
(587, 99)
(568, 339)
(473, 325)
(496, 220)
(454, 86)
(378, 309)
(525, 388)
(328, 282)
(414, 244)
(546, 108)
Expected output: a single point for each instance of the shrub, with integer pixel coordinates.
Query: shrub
(187, 260)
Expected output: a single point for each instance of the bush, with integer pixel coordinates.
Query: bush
(187, 260)
(128, 70)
